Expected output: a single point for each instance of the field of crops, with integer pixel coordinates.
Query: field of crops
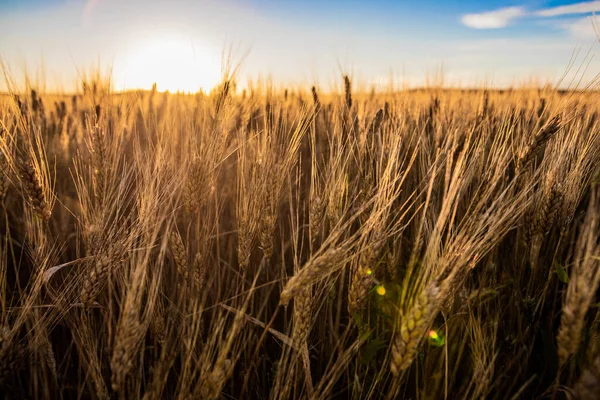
(291, 244)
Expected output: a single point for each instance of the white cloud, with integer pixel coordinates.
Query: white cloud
(583, 28)
(577, 8)
(493, 19)
(501, 18)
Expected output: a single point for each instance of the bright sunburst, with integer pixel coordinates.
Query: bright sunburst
(175, 64)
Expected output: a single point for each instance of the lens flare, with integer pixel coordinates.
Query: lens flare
(436, 339)
(381, 290)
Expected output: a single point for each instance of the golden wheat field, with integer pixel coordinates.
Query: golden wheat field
(289, 244)
(299, 200)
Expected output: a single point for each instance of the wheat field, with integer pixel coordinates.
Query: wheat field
(295, 244)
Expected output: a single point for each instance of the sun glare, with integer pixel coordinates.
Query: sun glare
(174, 64)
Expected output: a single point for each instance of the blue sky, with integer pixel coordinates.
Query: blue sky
(179, 42)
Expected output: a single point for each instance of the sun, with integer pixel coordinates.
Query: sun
(175, 64)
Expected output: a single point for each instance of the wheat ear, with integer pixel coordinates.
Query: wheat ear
(413, 327)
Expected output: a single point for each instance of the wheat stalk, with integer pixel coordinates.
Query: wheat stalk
(361, 281)
(99, 151)
(3, 176)
(197, 182)
(347, 91)
(413, 327)
(538, 141)
(546, 214)
(316, 216)
(129, 335)
(315, 96)
(302, 317)
(316, 268)
(583, 284)
(33, 189)
(97, 271)
(179, 254)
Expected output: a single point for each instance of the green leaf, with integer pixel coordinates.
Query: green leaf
(371, 349)
(562, 274)
(365, 335)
